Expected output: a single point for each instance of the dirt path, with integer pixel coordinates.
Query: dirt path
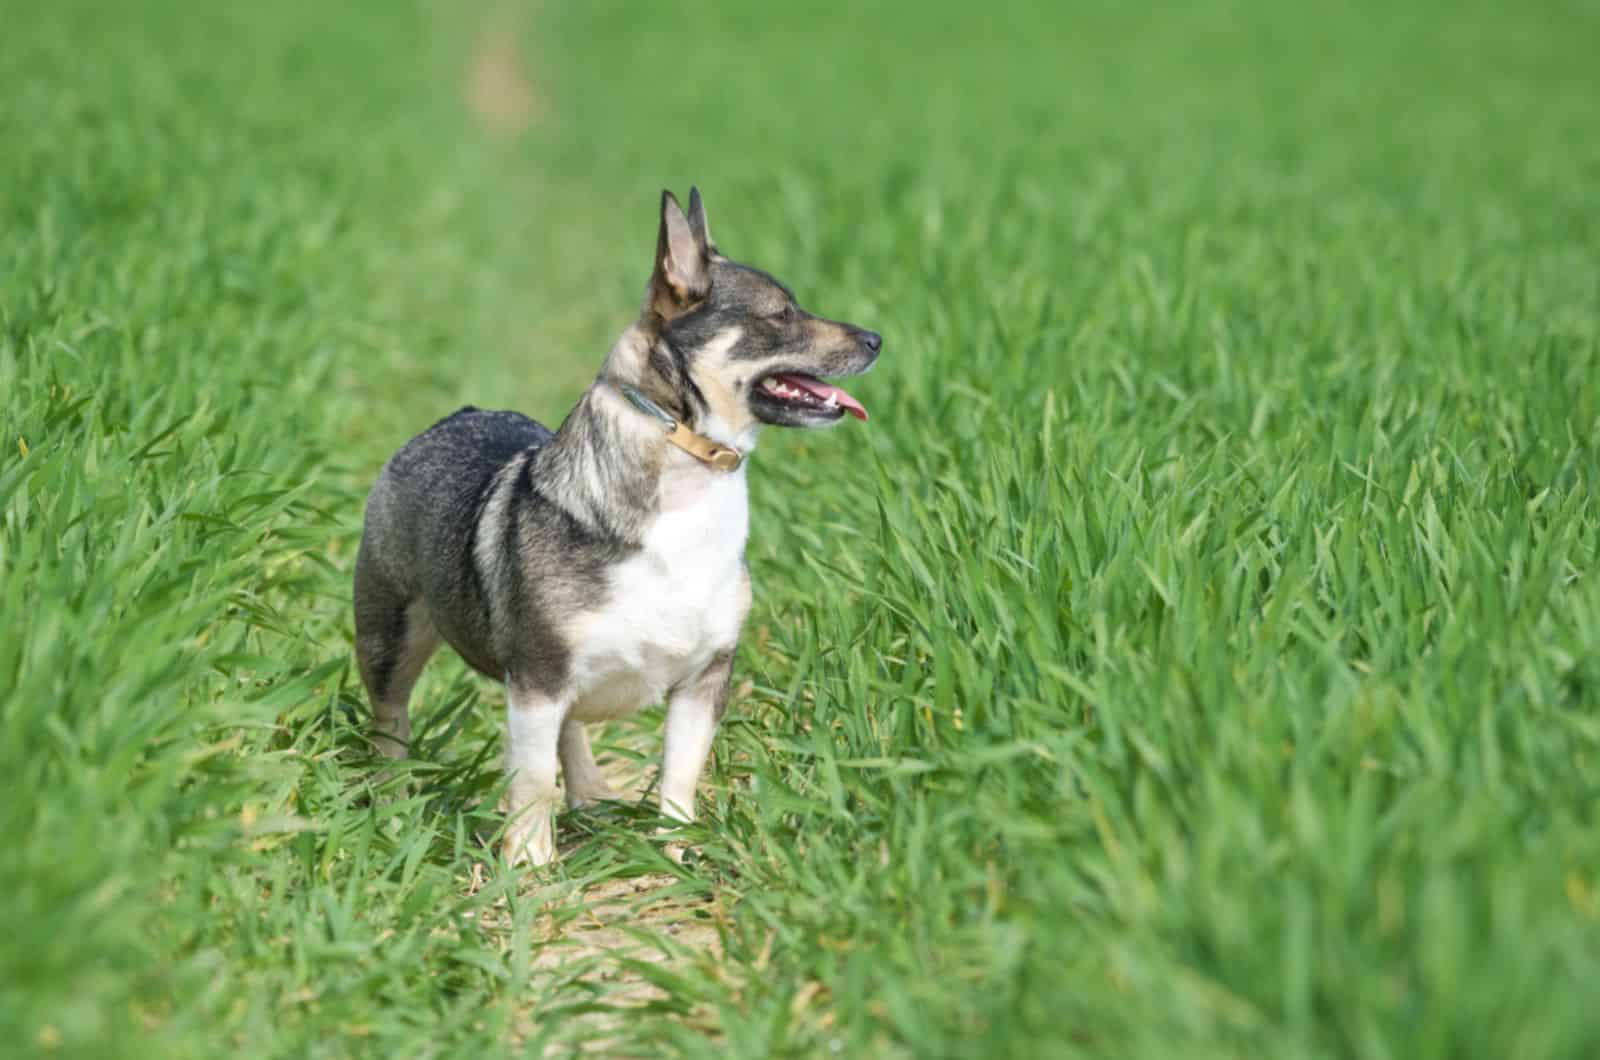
(616, 945)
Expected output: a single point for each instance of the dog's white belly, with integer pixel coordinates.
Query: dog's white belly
(671, 607)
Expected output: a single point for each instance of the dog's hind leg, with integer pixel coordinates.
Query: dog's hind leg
(395, 638)
(533, 735)
(585, 784)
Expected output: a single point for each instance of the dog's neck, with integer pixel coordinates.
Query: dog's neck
(612, 466)
(643, 358)
(711, 453)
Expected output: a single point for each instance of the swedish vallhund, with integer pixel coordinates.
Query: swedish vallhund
(599, 569)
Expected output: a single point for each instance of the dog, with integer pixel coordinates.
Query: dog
(599, 569)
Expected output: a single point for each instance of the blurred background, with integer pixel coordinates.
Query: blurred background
(507, 156)
(1196, 653)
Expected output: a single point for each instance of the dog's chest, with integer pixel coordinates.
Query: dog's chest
(673, 605)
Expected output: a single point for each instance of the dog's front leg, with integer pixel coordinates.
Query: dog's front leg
(533, 735)
(692, 716)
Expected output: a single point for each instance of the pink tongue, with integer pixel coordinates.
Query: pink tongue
(824, 391)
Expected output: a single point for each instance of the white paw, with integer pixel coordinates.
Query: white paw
(390, 746)
(675, 846)
(583, 798)
(530, 840)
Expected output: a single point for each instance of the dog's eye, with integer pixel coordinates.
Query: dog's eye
(784, 315)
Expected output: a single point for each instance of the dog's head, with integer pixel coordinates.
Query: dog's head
(729, 341)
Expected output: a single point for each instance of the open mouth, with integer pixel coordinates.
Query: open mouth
(810, 394)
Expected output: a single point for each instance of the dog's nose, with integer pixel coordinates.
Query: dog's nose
(871, 340)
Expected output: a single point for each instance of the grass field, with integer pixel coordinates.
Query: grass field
(1198, 653)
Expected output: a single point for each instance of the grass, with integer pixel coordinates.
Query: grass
(1198, 654)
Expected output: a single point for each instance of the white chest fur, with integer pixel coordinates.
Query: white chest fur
(673, 605)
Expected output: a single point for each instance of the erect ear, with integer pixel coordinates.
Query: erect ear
(698, 225)
(682, 275)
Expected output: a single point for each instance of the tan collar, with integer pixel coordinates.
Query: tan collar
(714, 455)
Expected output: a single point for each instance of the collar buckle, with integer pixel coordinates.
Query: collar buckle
(714, 455)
